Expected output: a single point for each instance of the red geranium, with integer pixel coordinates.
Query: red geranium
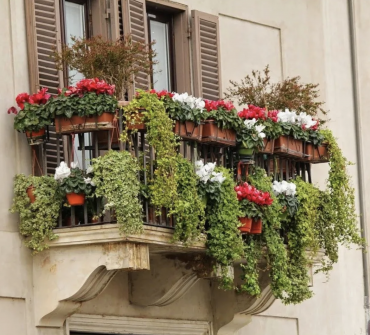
(40, 98)
(21, 99)
(91, 85)
(253, 112)
(162, 93)
(249, 192)
(214, 105)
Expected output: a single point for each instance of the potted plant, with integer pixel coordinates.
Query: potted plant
(188, 112)
(251, 201)
(74, 183)
(88, 106)
(316, 149)
(286, 194)
(221, 123)
(33, 116)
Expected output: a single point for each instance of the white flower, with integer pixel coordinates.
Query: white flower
(89, 181)
(90, 169)
(287, 117)
(62, 171)
(218, 177)
(204, 172)
(259, 130)
(250, 123)
(74, 165)
(189, 100)
(305, 120)
(284, 187)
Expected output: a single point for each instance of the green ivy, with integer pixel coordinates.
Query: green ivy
(37, 219)
(224, 241)
(115, 177)
(189, 209)
(160, 135)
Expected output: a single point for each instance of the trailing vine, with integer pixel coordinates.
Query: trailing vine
(115, 177)
(189, 210)
(224, 241)
(160, 135)
(37, 219)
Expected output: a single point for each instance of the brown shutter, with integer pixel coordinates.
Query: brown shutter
(43, 36)
(135, 23)
(206, 55)
(105, 18)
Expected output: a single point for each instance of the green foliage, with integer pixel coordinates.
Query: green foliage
(272, 129)
(250, 209)
(89, 104)
(225, 119)
(248, 138)
(75, 183)
(338, 218)
(302, 242)
(115, 177)
(32, 118)
(37, 219)
(289, 203)
(160, 135)
(224, 241)
(189, 209)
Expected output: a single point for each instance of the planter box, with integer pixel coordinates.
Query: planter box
(288, 146)
(246, 225)
(268, 147)
(84, 124)
(36, 137)
(316, 154)
(139, 122)
(256, 226)
(189, 130)
(214, 135)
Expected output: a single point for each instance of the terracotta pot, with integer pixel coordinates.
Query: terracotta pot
(256, 226)
(268, 146)
(139, 122)
(212, 134)
(75, 199)
(83, 124)
(189, 130)
(246, 225)
(316, 154)
(288, 146)
(30, 190)
(35, 137)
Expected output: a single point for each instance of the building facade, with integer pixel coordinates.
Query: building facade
(91, 280)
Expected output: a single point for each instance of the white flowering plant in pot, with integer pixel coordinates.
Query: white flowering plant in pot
(210, 181)
(250, 136)
(74, 181)
(286, 195)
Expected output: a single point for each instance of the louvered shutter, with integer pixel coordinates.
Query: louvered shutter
(44, 35)
(206, 55)
(135, 23)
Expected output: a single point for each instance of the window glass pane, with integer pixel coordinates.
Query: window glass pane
(75, 26)
(75, 23)
(161, 71)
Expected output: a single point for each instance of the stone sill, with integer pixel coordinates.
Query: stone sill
(159, 239)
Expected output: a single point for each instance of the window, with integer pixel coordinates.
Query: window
(160, 28)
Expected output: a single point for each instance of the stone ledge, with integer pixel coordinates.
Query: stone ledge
(159, 238)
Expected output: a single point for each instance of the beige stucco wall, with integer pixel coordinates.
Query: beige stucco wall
(309, 38)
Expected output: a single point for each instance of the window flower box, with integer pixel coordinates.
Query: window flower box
(268, 146)
(212, 134)
(316, 154)
(288, 146)
(83, 124)
(189, 130)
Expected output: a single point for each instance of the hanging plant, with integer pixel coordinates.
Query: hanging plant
(224, 242)
(163, 188)
(37, 219)
(115, 178)
(188, 208)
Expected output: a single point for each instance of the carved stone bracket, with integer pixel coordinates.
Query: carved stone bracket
(64, 278)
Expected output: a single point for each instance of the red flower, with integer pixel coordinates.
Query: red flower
(273, 115)
(214, 105)
(12, 110)
(21, 99)
(253, 112)
(249, 192)
(40, 98)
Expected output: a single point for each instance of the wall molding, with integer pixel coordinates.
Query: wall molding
(137, 326)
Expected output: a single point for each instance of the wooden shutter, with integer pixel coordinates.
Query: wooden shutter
(43, 36)
(206, 55)
(135, 23)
